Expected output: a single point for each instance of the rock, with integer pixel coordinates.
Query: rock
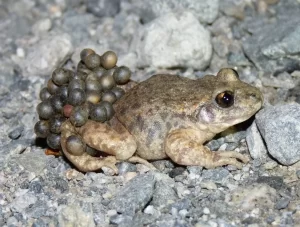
(42, 26)
(270, 165)
(181, 204)
(163, 195)
(38, 209)
(279, 126)
(176, 172)
(257, 195)
(273, 181)
(255, 143)
(103, 8)
(282, 80)
(205, 11)
(233, 8)
(119, 219)
(271, 45)
(79, 27)
(282, 203)
(216, 175)
(128, 59)
(47, 55)
(294, 93)
(134, 195)
(73, 215)
(34, 161)
(16, 132)
(173, 40)
(124, 167)
(22, 202)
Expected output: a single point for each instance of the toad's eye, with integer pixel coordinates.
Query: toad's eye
(225, 99)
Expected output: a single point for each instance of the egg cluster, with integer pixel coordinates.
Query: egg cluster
(78, 96)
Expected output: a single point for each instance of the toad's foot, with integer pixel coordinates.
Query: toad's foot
(136, 159)
(184, 148)
(118, 143)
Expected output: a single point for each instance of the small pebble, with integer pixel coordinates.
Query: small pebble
(206, 210)
(270, 165)
(16, 133)
(208, 185)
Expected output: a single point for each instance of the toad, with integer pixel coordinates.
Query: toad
(166, 116)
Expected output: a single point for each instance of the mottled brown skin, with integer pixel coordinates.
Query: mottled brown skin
(168, 116)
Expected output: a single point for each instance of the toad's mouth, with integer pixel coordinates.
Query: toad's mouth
(219, 126)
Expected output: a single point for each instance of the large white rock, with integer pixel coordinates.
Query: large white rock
(173, 40)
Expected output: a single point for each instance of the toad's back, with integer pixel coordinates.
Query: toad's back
(164, 93)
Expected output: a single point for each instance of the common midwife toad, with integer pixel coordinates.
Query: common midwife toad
(166, 116)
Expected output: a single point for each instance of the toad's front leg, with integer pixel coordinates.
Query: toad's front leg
(114, 140)
(184, 148)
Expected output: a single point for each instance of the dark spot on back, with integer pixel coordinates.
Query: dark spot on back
(140, 122)
(164, 115)
(176, 123)
(136, 105)
(122, 110)
(156, 126)
(150, 136)
(150, 111)
(168, 125)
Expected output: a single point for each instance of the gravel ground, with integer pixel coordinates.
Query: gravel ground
(259, 38)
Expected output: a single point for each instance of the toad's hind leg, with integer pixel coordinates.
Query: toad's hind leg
(118, 143)
(184, 147)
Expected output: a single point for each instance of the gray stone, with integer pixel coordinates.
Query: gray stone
(182, 204)
(273, 181)
(38, 209)
(255, 143)
(16, 132)
(124, 167)
(282, 80)
(205, 11)
(280, 128)
(294, 93)
(134, 195)
(22, 202)
(215, 175)
(176, 172)
(163, 195)
(47, 54)
(282, 203)
(61, 185)
(237, 59)
(34, 161)
(42, 26)
(173, 40)
(78, 27)
(271, 46)
(234, 8)
(141, 219)
(163, 165)
(73, 215)
(214, 144)
(121, 219)
(103, 8)
(233, 135)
